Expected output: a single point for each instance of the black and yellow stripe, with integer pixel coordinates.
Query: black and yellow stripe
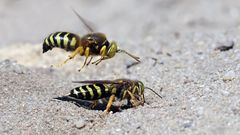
(91, 92)
(65, 40)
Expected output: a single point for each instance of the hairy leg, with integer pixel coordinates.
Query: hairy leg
(89, 61)
(134, 101)
(110, 101)
(87, 52)
(93, 105)
(71, 56)
(103, 53)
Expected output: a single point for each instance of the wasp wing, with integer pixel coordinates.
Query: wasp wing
(98, 81)
(83, 21)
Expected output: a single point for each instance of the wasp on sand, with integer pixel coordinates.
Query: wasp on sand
(120, 89)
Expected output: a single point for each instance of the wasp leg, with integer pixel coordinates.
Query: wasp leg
(87, 52)
(103, 53)
(121, 105)
(110, 101)
(133, 100)
(93, 105)
(71, 56)
(89, 61)
(99, 60)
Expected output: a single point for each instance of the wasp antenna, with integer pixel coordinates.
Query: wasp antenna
(82, 20)
(134, 57)
(153, 91)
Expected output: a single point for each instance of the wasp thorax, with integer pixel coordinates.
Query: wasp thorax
(95, 38)
(112, 49)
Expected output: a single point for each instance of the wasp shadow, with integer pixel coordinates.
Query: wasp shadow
(87, 104)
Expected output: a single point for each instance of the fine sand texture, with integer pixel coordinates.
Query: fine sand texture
(190, 55)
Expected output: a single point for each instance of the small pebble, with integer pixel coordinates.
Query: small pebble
(228, 76)
(187, 123)
(80, 124)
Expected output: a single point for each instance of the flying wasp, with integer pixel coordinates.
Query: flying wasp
(120, 89)
(94, 43)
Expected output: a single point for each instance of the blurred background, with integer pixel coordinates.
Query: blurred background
(30, 21)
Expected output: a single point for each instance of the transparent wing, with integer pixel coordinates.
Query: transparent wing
(98, 81)
(90, 29)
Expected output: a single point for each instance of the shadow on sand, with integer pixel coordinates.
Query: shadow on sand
(86, 104)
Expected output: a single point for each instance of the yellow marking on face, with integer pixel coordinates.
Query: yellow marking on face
(99, 91)
(65, 40)
(51, 39)
(83, 92)
(58, 38)
(73, 42)
(90, 91)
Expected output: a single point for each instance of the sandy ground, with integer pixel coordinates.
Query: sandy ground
(176, 41)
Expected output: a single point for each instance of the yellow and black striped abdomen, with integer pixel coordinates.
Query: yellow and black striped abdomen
(91, 92)
(65, 40)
